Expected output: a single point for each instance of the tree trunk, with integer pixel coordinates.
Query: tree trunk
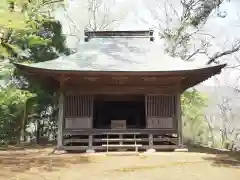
(38, 132)
(211, 131)
(23, 124)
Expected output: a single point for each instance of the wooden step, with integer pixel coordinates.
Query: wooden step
(117, 133)
(126, 139)
(122, 145)
(160, 139)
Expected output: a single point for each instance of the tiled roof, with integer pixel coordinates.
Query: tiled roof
(118, 54)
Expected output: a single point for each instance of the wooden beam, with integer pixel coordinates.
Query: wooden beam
(120, 97)
(122, 89)
(122, 80)
(124, 76)
(83, 148)
(136, 83)
(62, 80)
(78, 74)
(101, 34)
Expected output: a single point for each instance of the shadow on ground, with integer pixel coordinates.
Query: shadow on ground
(20, 162)
(220, 158)
(27, 146)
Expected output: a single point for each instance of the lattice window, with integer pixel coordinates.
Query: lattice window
(78, 106)
(160, 111)
(161, 106)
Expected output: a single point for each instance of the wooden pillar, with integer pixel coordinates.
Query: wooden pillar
(121, 137)
(150, 138)
(90, 136)
(61, 80)
(90, 144)
(151, 146)
(179, 120)
(60, 121)
(90, 141)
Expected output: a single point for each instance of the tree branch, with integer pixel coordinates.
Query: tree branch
(45, 3)
(224, 53)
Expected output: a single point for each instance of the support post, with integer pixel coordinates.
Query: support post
(179, 120)
(150, 138)
(90, 141)
(90, 144)
(121, 137)
(60, 122)
(151, 148)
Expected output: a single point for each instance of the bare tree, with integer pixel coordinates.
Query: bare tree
(96, 15)
(235, 48)
(183, 30)
(178, 31)
(227, 117)
(209, 121)
(99, 15)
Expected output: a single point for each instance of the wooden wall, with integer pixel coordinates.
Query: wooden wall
(78, 111)
(161, 111)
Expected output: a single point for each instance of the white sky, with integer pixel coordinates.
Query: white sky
(131, 14)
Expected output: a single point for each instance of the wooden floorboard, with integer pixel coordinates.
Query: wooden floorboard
(120, 131)
(157, 147)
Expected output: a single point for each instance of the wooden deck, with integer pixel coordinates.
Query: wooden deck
(100, 139)
(102, 148)
(125, 131)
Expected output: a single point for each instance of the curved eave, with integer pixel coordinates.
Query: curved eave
(32, 69)
(191, 78)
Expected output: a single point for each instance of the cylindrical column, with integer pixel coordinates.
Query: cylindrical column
(179, 119)
(60, 122)
(90, 144)
(151, 146)
(150, 139)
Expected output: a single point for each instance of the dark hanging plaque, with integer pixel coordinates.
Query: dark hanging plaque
(101, 34)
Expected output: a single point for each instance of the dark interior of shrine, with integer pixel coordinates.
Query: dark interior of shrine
(119, 107)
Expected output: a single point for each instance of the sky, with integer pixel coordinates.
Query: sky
(137, 14)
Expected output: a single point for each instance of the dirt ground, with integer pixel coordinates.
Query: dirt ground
(40, 164)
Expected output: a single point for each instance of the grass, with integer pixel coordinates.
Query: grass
(38, 163)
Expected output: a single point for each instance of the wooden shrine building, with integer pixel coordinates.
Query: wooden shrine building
(119, 91)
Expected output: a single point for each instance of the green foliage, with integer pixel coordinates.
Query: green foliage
(30, 35)
(12, 102)
(193, 103)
